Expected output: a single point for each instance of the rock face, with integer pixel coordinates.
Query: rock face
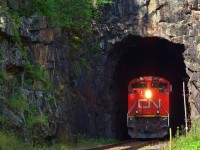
(174, 20)
(29, 50)
(83, 90)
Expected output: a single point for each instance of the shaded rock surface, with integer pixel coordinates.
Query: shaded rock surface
(174, 20)
(25, 49)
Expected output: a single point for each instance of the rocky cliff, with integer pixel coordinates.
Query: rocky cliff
(174, 20)
(35, 91)
(48, 84)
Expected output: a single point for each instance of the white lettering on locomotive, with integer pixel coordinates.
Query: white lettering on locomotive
(149, 103)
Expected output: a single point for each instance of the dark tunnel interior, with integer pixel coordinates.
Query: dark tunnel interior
(149, 56)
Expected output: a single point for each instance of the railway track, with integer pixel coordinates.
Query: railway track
(127, 145)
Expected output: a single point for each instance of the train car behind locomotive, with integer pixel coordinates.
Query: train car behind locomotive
(148, 107)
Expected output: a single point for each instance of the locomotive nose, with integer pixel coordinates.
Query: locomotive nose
(148, 94)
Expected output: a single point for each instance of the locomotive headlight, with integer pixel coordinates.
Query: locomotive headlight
(148, 94)
(136, 112)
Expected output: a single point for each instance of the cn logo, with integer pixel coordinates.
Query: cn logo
(148, 103)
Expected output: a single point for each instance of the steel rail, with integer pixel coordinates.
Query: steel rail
(126, 145)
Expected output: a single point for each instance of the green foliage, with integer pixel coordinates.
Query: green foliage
(34, 78)
(65, 13)
(84, 141)
(51, 100)
(3, 75)
(1, 62)
(19, 101)
(42, 76)
(1, 55)
(95, 47)
(189, 142)
(84, 63)
(9, 142)
(2, 119)
(32, 121)
(75, 71)
(3, 9)
(16, 23)
(73, 15)
(32, 109)
(7, 80)
(38, 77)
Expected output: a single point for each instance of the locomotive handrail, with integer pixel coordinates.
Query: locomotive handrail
(164, 109)
(130, 111)
(131, 108)
(166, 112)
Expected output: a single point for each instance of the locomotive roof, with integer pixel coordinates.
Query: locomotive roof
(150, 78)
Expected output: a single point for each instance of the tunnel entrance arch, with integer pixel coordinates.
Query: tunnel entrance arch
(146, 56)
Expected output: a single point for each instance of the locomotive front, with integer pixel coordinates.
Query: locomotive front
(148, 107)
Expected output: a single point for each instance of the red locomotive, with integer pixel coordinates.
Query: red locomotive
(148, 107)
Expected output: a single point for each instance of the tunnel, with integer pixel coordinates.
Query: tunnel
(147, 56)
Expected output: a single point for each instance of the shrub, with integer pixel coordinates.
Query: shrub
(9, 142)
(189, 142)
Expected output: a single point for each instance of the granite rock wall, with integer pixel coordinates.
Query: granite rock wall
(174, 20)
(25, 47)
(86, 95)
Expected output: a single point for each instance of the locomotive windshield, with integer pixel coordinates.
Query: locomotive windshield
(139, 85)
(159, 85)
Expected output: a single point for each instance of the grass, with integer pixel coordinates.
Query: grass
(9, 142)
(39, 76)
(189, 142)
(18, 101)
(4, 75)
